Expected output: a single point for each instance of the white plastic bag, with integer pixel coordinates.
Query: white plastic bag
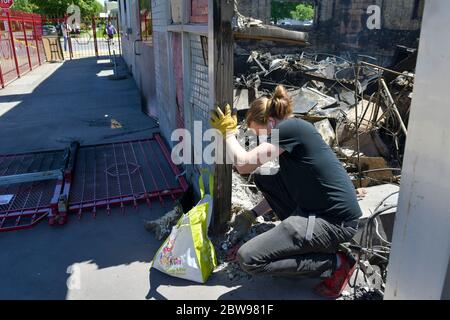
(188, 252)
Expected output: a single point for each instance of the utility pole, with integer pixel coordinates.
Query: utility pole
(221, 56)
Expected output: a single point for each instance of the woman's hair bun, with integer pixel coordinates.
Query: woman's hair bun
(280, 106)
(280, 93)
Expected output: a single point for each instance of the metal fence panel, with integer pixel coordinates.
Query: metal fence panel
(7, 62)
(124, 173)
(30, 201)
(21, 47)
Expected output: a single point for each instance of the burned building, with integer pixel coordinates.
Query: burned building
(367, 26)
(371, 27)
(260, 9)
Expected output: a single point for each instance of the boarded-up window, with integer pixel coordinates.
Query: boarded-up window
(199, 11)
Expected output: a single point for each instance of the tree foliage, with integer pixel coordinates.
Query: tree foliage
(291, 10)
(282, 10)
(58, 8)
(23, 5)
(303, 12)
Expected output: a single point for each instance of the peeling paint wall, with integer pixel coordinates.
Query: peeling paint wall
(199, 11)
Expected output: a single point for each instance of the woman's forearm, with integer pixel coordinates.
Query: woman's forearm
(263, 153)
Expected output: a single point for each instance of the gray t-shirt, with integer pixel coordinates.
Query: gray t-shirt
(313, 175)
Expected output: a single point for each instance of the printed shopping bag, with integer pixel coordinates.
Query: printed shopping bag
(188, 253)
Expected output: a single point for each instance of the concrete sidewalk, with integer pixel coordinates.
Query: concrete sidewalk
(107, 257)
(58, 103)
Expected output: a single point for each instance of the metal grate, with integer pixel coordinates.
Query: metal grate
(32, 201)
(199, 100)
(199, 81)
(123, 173)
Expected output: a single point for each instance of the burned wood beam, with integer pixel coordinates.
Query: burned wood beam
(221, 56)
(272, 33)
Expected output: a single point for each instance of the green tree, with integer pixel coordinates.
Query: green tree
(282, 10)
(59, 7)
(23, 5)
(303, 12)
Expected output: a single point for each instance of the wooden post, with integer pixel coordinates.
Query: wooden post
(94, 30)
(221, 65)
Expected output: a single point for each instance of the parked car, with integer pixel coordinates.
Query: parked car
(49, 30)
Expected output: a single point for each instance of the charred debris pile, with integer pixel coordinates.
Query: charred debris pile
(361, 110)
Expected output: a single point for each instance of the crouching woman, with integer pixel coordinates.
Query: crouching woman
(311, 194)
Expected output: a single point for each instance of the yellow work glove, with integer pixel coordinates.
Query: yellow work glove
(241, 224)
(226, 123)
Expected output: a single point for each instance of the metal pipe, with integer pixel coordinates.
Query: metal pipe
(377, 106)
(37, 42)
(13, 46)
(387, 70)
(358, 69)
(394, 107)
(382, 169)
(30, 177)
(26, 43)
(2, 81)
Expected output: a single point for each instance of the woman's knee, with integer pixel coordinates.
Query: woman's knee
(244, 256)
(246, 259)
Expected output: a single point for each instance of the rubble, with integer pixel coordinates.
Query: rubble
(363, 294)
(361, 110)
(227, 252)
(326, 131)
(244, 197)
(163, 226)
(366, 106)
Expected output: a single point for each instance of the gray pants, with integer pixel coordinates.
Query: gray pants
(285, 250)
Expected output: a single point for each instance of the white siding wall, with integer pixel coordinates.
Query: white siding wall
(421, 245)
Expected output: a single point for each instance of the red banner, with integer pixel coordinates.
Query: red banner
(6, 4)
